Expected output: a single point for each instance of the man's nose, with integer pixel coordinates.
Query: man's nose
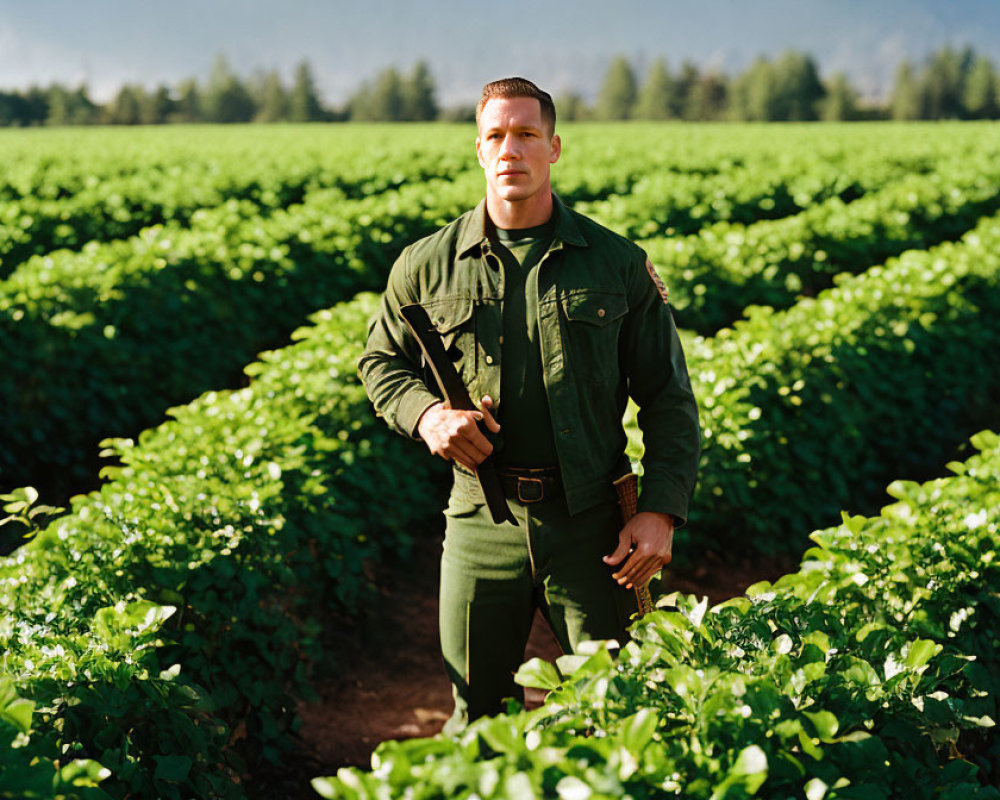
(508, 148)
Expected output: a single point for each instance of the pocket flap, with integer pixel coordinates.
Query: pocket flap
(595, 306)
(448, 313)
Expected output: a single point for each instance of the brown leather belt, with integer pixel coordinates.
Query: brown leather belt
(530, 485)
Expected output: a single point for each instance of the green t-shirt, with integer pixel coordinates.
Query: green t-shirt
(528, 437)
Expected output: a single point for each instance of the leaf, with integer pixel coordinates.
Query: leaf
(538, 674)
(867, 628)
(986, 440)
(759, 588)
(141, 615)
(637, 730)
(892, 667)
(920, 652)
(751, 766)
(861, 672)
(825, 723)
(696, 613)
(898, 489)
(83, 772)
(502, 735)
(809, 745)
(572, 788)
(980, 722)
(329, 788)
(815, 789)
(570, 663)
(518, 787)
(591, 647)
(18, 712)
(855, 524)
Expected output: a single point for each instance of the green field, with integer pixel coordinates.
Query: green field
(181, 311)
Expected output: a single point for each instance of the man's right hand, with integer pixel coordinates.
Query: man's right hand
(455, 436)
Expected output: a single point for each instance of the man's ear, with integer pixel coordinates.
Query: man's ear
(556, 150)
(479, 153)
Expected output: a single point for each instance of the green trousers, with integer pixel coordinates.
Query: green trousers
(493, 577)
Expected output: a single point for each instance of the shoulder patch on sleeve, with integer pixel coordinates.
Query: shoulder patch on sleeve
(658, 282)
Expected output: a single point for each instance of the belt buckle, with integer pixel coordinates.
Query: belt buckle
(537, 489)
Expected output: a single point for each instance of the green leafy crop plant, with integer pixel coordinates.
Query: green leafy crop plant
(122, 181)
(714, 275)
(807, 410)
(666, 203)
(869, 673)
(163, 628)
(101, 341)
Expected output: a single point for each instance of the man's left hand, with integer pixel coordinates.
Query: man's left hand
(649, 537)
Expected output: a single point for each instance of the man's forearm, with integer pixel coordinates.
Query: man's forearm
(398, 393)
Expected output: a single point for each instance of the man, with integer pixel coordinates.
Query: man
(551, 320)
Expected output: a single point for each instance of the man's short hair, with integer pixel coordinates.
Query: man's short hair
(519, 87)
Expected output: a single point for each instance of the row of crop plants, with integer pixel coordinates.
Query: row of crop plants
(872, 672)
(37, 164)
(113, 202)
(161, 631)
(645, 159)
(806, 409)
(59, 164)
(109, 203)
(663, 203)
(725, 267)
(251, 491)
(100, 342)
(120, 182)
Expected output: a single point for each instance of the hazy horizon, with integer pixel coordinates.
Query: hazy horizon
(562, 46)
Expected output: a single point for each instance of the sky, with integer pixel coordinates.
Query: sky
(563, 45)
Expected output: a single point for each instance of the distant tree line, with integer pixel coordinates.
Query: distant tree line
(786, 89)
(950, 84)
(226, 97)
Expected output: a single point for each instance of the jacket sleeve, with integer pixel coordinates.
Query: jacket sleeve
(390, 364)
(658, 382)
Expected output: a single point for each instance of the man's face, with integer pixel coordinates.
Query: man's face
(515, 148)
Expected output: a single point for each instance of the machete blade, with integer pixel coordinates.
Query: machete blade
(457, 395)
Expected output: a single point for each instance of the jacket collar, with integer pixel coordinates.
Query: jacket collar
(479, 228)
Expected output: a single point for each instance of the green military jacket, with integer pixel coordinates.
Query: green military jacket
(605, 332)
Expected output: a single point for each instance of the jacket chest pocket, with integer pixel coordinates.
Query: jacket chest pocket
(593, 320)
(455, 320)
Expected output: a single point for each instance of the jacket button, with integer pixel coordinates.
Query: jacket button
(600, 312)
(489, 359)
